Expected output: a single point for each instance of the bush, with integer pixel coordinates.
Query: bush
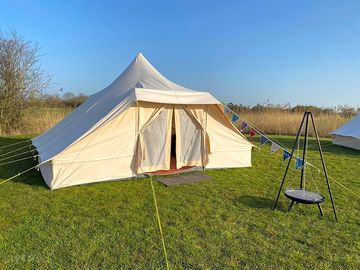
(21, 79)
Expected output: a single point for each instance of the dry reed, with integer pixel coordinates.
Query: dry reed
(38, 120)
(287, 123)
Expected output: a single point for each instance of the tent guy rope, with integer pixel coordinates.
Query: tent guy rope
(20, 159)
(16, 150)
(332, 179)
(16, 155)
(159, 222)
(20, 173)
(12, 144)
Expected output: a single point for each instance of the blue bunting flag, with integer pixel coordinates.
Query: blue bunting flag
(286, 155)
(298, 163)
(263, 139)
(234, 118)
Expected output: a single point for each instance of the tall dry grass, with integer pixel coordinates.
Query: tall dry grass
(287, 123)
(281, 122)
(38, 120)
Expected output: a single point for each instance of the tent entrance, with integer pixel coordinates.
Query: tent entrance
(173, 152)
(174, 145)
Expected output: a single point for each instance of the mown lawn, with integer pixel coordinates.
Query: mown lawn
(227, 223)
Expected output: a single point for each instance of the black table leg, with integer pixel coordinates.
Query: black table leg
(290, 206)
(320, 209)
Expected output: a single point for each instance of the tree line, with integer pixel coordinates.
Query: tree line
(67, 100)
(23, 81)
(344, 110)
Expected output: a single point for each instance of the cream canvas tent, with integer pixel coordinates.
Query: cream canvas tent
(348, 135)
(126, 129)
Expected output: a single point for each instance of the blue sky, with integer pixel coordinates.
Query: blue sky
(301, 52)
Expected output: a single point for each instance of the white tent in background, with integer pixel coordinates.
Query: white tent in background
(127, 129)
(348, 135)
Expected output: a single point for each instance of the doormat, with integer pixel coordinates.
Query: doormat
(183, 179)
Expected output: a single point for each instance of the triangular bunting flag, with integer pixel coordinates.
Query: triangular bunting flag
(252, 133)
(263, 139)
(286, 155)
(274, 148)
(243, 125)
(298, 163)
(234, 118)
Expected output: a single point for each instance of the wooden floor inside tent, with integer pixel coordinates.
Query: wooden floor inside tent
(173, 169)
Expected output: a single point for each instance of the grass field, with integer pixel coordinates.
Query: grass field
(227, 223)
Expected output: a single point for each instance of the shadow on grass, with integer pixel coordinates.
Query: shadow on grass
(255, 202)
(4, 140)
(32, 177)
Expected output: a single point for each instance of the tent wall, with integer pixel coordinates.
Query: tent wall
(348, 135)
(228, 147)
(125, 129)
(94, 112)
(46, 170)
(138, 140)
(106, 153)
(223, 145)
(155, 142)
(346, 141)
(188, 139)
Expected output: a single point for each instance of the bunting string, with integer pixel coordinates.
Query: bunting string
(254, 127)
(276, 145)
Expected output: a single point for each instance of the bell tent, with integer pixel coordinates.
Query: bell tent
(348, 135)
(140, 123)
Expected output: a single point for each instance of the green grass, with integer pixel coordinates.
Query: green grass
(227, 223)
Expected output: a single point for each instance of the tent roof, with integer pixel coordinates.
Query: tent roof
(141, 74)
(139, 82)
(350, 129)
(145, 83)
